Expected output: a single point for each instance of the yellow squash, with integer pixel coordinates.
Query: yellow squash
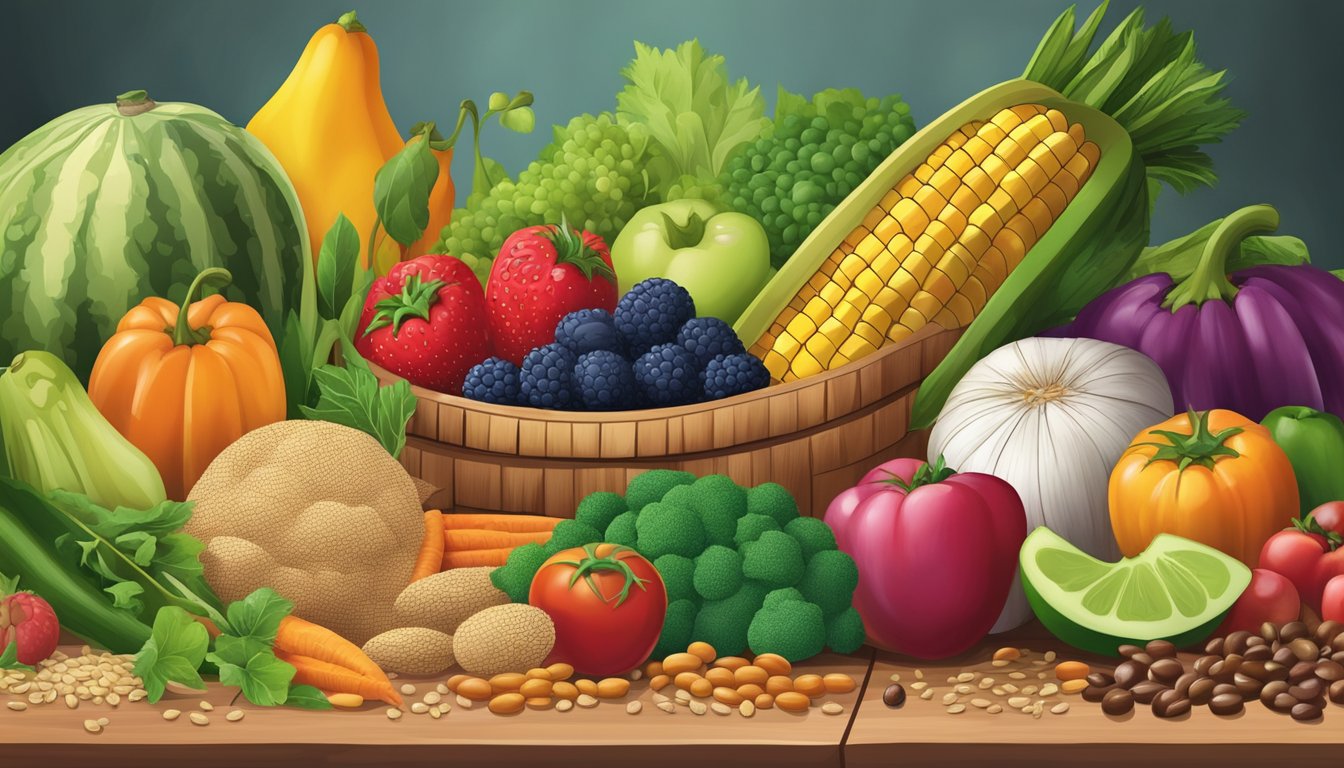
(330, 129)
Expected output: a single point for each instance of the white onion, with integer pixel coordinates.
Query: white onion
(1052, 417)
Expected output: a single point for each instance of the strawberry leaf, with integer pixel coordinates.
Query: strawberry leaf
(9, 658)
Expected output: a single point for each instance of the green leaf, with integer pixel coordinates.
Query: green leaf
(8, 585)
(1338, 273)
(173, 653)
(352, 397)
(697, 116)
(9, 658)
(401, 191)
(337, 267)
(258, 615)
(1179, 257)
(306, 697)
(296, 354)
(520, 120)
(125, 594)
(250, 664)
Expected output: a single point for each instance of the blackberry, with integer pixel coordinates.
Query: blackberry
(604, 381)
(588, 330)
(494, 380)
(547, 378)
(667, 375)
(708, 337)
(651, 313)
(728, 375)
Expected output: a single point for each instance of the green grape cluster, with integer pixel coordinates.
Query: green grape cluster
(790, 179)
(592, 173)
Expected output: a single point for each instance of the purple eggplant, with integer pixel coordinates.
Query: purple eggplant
(1250, 342)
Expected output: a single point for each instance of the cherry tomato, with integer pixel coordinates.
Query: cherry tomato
(1330, 516)
(1270, 597)
(608, 604)
(1332, 600)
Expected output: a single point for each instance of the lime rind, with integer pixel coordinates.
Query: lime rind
(1177, 590)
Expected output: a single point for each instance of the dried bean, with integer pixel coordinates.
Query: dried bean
(1337, 692)
(1117, 701)
(1329, 671)
(894, 696)
(1184, 682)
(1100, 679)
(1292, 631)
(1308, 690)
(1201, 691)
(1235, 642)
(1304, 649)
(1226, 704)
(1094, 694)
(1128, 651)
(1204, 663)
(1248, 686)
(1304, 712)
(1145, 691)
(1166, 671)
(1170, 703)
(1214, 647)
(1271, 690)
(1161, 649)
(1258, 653)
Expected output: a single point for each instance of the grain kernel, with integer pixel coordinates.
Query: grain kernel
(171, 714)
(750, 691)
(1071, 670)
(793, 701)
(92, 726)
(764, 701)
(434, 697)
(633, 708)
(564, 690)
(560, 671)
(1073, 686)
(653, 669)
(586, 686)
(393, 713)
(658, 682)
(667, 707)
(698, 707)
(475, 689)
(17, 706)
(453, 682)
(956, 709)
(728, 696)
(1060, 708)
(206, 706)
(1049, 689)
(464, 702)
(809, 685)
(684, 680)
(238, 714)
(345, 700)
(703, 650)
(407, 689)
(536, 687)
(719, 676)
(773, 664)
(507, 682)
(719, 708)
(419, 708)
(832, 708)
(613, 687)
(778, 684)
(702, 688)
(730, 663)
(1007, 654)
(538, 673)
(564, 705)
(538, 702)
(198, 718)
(965, 677)
(681, 662)
(507, 703)
(838, 683)
(747, 708)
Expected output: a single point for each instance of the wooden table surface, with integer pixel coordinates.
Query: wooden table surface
(867, 733)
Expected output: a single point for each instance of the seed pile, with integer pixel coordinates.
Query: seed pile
(737, 683)
(93, 678)
(1016, 680)
(1291, 669)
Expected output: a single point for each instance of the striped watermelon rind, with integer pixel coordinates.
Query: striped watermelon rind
(99, 210)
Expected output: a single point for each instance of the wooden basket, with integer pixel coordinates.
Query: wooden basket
(815, 437)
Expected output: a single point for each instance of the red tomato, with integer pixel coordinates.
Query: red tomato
(1330, 517)
(1309, 560)
(1270, 597)
(1332, 600)
(608, 605)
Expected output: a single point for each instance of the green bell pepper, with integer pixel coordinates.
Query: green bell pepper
(1314, 442)
(723, 259)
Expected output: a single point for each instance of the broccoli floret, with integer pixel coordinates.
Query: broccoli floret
(718, 572)
(514, 577)
(782, 594)
(844, 633)
(667, 529)
(723, 623)
(571, 533)
(750, 527)
(719, 502)
(622, 530)
(793, 629)
(774, 500)
(678, 623)
(677, 574)
(680, 496)
(812, 533)
(829, 581)
(653, 485)
(599, 509)
(774, 559)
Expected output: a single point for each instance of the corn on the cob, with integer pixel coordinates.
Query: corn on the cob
(938, 244)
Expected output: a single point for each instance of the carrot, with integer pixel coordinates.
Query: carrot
(431, 549)
(499, 522)
(337, 679)
(473, 558)
(304, 638)
(462, 539)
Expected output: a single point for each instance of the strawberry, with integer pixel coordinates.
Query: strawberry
(543, 273)
(29, 622)
(423, 322)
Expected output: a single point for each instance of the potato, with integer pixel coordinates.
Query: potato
(504, 638)
(411, 651)
(444, 600)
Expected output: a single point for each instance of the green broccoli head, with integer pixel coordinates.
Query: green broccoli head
(677, 574)
(793, 629)
(844, 632)
(782, 594)
(750, 527)
(622, 530)
(599, 509)
(651, 486)
(774, 500)
(678, 623)
(679, 496)
(718, 572)
(571, 533)
(829, 581)
(723, 623)
(774, 559)
(812, 533)
(514, 577)
(666, 529)
(719, 502)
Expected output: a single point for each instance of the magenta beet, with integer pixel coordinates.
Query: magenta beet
(1250, 342)
(936, 553)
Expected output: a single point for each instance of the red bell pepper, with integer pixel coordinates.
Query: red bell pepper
(936, 551)
(1309, 554)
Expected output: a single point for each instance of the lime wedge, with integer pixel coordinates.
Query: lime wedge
(1177, 590)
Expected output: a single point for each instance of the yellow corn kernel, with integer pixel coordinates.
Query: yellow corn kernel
(872, 218)
(1010, 244)
(1021, 226)
(1057, 120)
(952, 218)
(885, 265)
(854, 348)
(817, 310)
(1028, 111)
(920, 175)
(974, 291)
(942, 233)
(832, 294)
(903, 284)
(803, 365)
(1062, 145)
(930, 201)
(1010, 152)
(1054, 199)
(1041, 126)
(854, 237)
(995, 266)
(1090, 151)
(962, 202)
(938, 155)
(975, 240)
(1004, 203)
(957, 264)
(801, 327)
(945, 181)
(834, 329)
(786, 345)
(851, 307)
(898, 333)
(986, 219)
(912, 217)
(901, 246)
(869, 282)
(868, 249)
(776, 365)
(827, 272)
(869, 334)
(1006, 119)
(995, 167)
(1044, 157)
(927, 253)
(926, 303)
(961, 310)
(1038, 213)
(979, 182)
(887, 228)
(1033, 175)
(876, 317)
(821, 348)
(912, 319)
(959, 163)
(852, 265)
(1067, 182)
(892, 197)
(1016, 187)
(940, 286)
(991, 134)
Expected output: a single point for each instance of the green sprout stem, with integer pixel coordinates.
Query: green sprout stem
(182, 332)
(592, 563)
(1209, 280)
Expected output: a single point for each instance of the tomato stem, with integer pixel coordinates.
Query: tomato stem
(1199, 446)
(591, 563)
(1309, 525)
(927, 474)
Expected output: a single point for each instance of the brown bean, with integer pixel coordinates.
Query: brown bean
(1292, 631)
(1259, 653)
(681, 662)
(1304, 649)
(563, 671)
(1214, 647)
(1128, 650)
(1247, 686)
(1329, 671)
(1117, 701)
(750, 674)
(811, 686)
(1308, 690)
(1301, 671)
(1129, 673)
(837, 682)
(1226, 704)
(1100, 679)
(1337, 692)
(1166, 671)
(773, 664)
(659, 682)
(778, 684)
(1269, 632)
(730, 663)
(894, 696)
(1272, 689)
(586, 687)
(719, 676)
(1235, 642)
(703, 650)
(1007, 654)
(1161, 649)
(507, 703)
(1255, 641)
(652, 669)
(1184, 682)
(454, 681)
(1094, 694)
(1143, 658)
(1327, 631)
(1147, 690)
(1284, 656)
(1201, 691)
(1304, 712)
(1170, 703)
(792, 701)
(474, 688)
(1338, 657)
(1283, 702)
(1261, 670)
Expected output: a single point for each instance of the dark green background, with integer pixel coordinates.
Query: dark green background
(1284, 60)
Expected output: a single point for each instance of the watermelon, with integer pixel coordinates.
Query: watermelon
(109, 204)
